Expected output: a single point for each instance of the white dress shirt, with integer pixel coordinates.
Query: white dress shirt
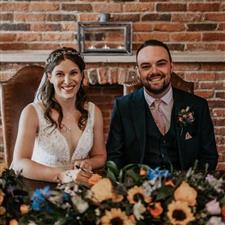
(165, 107)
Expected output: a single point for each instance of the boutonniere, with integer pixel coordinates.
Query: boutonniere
(185, 119)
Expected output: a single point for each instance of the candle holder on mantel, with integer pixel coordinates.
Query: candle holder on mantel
(105, 37)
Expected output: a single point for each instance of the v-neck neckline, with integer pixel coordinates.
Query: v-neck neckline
(71, 152)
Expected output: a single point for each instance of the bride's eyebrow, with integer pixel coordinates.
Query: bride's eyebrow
(74, 69)
(59, 71)
(62, 71)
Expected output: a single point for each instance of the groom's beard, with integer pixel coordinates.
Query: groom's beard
(152, 89)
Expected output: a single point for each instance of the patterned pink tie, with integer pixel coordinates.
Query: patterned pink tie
(159, 116)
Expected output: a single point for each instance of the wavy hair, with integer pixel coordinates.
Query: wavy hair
(47, 91)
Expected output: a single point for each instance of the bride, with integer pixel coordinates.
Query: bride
(60, 131)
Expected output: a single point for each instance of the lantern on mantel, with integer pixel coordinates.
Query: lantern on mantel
(105, 37)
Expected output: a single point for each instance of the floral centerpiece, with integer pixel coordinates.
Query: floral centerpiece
(135, 194)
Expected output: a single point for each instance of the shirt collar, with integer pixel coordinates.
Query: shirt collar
(167, 98)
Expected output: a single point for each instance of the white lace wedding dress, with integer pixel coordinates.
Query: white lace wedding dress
(51, 147)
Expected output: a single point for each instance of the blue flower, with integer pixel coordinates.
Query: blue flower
(38, 199)
(156, 173)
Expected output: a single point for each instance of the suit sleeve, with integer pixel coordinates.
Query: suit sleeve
(115, 143)
(208, 152)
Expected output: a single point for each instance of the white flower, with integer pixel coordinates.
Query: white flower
(138, 210)
(213, 207)
(65, 205)
(89, 194)
(58, 222)
(97, 212)
(31, 223)
(150, 186)
(147, 188)
(79, 203)
(69, 188)
(215, 183)
(214, 220)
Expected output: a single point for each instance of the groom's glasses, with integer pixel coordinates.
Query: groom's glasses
(58, 53)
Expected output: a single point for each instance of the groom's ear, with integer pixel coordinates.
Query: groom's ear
(137, 71)
(171, 67)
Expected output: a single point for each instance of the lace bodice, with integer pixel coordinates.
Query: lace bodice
(51, 147)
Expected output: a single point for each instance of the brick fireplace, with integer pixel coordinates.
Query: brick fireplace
(103, 96)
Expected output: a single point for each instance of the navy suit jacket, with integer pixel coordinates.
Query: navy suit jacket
(127, 134)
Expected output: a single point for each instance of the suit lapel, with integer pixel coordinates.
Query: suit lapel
(138, 116)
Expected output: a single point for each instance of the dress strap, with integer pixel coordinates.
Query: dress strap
(91, 112)
(38, 109)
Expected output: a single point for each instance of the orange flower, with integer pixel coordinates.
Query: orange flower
(13, 222)
(24, 208)
(137, 191)
(115, 216)
(179, 213)
(116, 197)
(132, 219)
(169, 183)
(142, 172)
(155, 209)
(3, 166)
(185, 193)
(102, 190)
(223, 212)
(1, 197)
(94, 179)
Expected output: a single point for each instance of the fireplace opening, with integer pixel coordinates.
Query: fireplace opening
(103, 96)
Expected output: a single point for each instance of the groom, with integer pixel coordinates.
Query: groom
(159, 125)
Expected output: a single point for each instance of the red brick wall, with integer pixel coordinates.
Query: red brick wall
(184, 25)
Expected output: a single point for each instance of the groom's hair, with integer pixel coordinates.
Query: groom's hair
(153, 42)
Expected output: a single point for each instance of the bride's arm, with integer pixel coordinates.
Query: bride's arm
(28, 127)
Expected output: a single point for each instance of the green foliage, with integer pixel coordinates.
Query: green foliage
(11, 188)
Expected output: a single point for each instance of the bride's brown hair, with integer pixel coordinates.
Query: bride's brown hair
(47, 91)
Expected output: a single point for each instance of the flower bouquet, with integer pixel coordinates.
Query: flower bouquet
(185, 117)
(186, 120)
(135, 194)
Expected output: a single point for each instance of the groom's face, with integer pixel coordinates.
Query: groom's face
(154, 68)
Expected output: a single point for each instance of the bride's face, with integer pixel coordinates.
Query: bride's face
(66, 78)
